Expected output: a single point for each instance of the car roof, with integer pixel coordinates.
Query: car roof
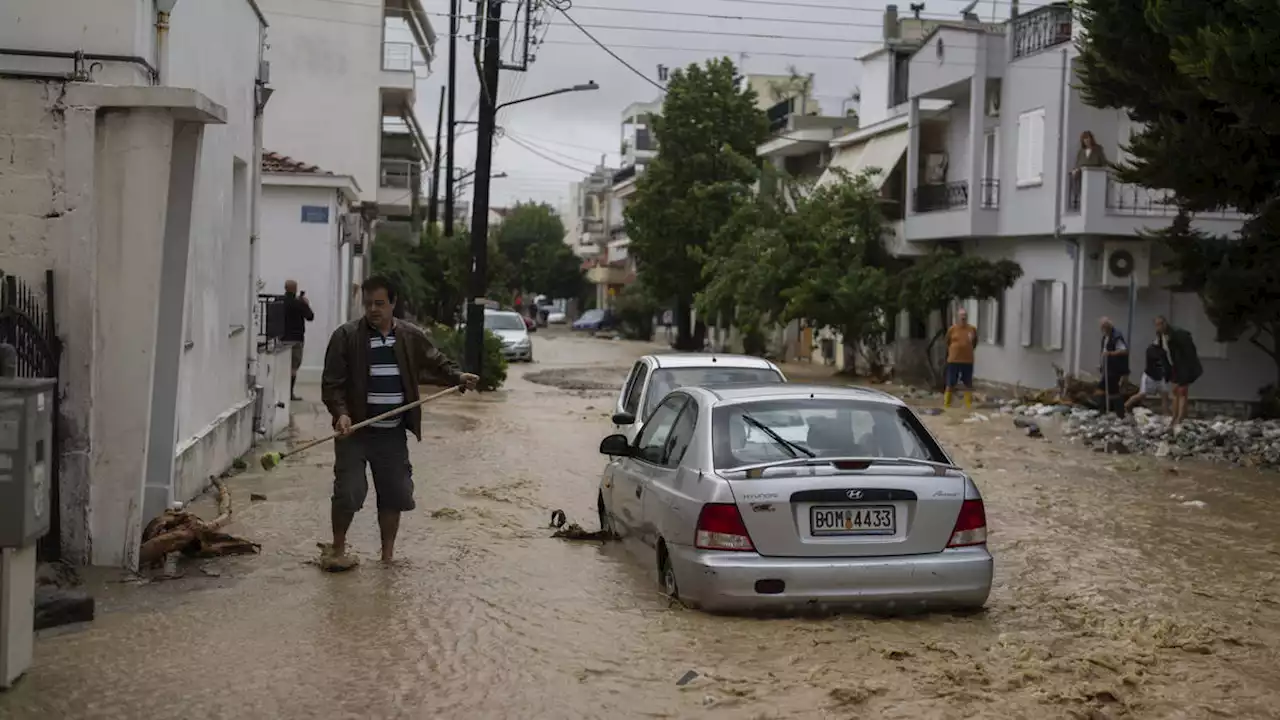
(686, 360)
(731, 393)
(500, 312)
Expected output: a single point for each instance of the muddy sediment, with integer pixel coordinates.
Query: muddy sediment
(1114, 597)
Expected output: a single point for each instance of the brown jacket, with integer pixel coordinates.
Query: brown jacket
(344, 384)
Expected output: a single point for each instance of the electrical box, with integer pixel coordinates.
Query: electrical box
(26, 459)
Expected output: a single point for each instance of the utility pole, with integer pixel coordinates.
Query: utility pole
(433, 212)
(474, 348)
(449, 200)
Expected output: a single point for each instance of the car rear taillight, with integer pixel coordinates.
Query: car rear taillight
(720, 527)
(971, 526)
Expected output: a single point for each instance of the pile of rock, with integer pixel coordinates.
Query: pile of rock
(1250, 443)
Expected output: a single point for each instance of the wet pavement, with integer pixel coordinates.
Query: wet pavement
(1125, 587)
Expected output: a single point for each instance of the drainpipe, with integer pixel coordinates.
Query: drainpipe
(1073, 354)
(261, 93)
(163, 8)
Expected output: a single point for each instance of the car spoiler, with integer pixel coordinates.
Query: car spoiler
(850, 462)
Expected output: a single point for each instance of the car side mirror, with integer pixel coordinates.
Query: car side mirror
(623, 418)
(615, 446)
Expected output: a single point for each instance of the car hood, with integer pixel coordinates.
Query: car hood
(511, 336)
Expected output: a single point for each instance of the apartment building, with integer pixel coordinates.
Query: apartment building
(347, 154)
(129, 206)
(976, 128)
(586, 216)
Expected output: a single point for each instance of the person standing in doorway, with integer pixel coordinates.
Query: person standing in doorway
(372, 365)
(297, 313)
(962, 338)
(1114, 366)
(1184, 365)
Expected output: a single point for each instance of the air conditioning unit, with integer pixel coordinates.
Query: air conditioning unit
(352, 232)
(1125, 263)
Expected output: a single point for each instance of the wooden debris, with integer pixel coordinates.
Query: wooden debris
(181, 531)
(574, 531)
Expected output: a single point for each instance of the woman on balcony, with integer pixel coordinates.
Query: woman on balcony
(1090, 154)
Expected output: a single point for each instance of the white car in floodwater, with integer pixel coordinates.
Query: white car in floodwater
(653, 376)
(793, 497)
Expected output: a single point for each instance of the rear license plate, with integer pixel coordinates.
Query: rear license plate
(853, 520)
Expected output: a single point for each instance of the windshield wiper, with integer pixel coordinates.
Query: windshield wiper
(782, 442)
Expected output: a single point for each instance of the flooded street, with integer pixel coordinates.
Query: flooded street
(1113, 597)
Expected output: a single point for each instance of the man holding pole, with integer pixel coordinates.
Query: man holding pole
(1114, 366)
(373, 365)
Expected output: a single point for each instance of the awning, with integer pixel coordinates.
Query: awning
(882, 152)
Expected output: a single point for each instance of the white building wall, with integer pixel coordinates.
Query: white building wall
(326, 68)
(106, 27)
(873, 107)
(219, 324)
(308, 253)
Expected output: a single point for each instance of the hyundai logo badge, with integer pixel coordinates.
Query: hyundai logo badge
(854, 494)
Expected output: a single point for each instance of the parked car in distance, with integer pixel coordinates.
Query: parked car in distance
(555, 317)
(854, 506)
(509, 326)
(596, 320)
(653, 376)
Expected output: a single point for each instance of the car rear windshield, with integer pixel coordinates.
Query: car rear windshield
(592, 315)
(503, 321)
(771, 430)
(667, 379)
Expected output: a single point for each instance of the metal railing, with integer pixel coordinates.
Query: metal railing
(942, 196)
(1041, 28)
(398, 56)
(271, 319)
(1135, 200)
(989, 193)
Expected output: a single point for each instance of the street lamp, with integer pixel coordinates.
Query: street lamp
(581, 87)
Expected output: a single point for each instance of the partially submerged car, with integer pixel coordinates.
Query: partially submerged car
(653, 376)
(792, 497)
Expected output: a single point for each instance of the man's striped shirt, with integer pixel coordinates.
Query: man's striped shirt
(385, 391)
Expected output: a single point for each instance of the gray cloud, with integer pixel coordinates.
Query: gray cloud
(576, 129)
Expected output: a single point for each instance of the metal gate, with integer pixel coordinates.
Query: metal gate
(28, 325)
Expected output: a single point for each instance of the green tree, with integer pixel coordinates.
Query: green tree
(531, 238)
(707, 137)
(1202, 79)
(934, 281)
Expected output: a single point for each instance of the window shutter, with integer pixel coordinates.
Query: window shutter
(1024, 151)
(1028, 310)
(1036, 143)
(1057, 315)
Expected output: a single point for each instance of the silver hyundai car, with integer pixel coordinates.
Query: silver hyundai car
(786, 497)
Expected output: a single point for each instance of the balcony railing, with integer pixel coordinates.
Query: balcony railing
(624, 174)
(1133, 200)
(397, 173)
(942, 196)
(990, 196)
(398, 56)
(778, 114)
(1041, 28)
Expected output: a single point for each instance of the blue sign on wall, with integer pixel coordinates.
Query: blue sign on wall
(315, 214)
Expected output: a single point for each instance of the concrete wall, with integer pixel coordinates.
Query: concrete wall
(326, 68)
(308, 253)
(873, 107)
(273, 376)
(1030, 83)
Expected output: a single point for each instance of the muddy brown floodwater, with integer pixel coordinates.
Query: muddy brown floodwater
(1113, 598)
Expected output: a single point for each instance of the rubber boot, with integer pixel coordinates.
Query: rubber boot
(946, 399)
(968, 399)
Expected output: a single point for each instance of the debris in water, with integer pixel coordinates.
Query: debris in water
(686, 678)
(574, 531)
(1195, 504)
(558, 518)
(178, 530)
(855, 695)
(447, 512)
(257, 497)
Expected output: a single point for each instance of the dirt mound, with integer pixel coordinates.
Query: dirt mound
(594, 378)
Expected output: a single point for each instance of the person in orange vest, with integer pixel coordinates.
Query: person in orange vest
(962, 338)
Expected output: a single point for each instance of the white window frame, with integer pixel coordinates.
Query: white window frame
(1031, 149)
(990, 323)
(1043, 316)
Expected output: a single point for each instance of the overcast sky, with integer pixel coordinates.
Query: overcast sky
(821, 37)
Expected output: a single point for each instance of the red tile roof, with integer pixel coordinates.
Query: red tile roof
(277, 163)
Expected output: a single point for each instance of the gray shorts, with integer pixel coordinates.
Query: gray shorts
(386, 452)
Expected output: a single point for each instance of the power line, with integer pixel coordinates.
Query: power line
(548, 158)
(526, 136)
(755, 36)
(522, 137)
(559, 6)
(725, 51)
